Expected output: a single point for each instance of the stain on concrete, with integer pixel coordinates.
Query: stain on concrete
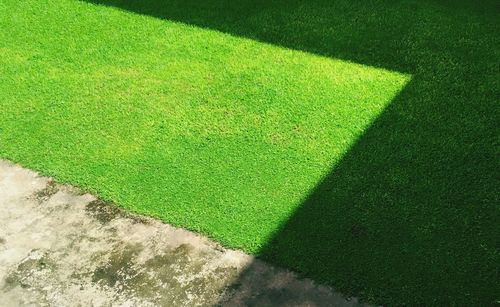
(30, 267)
(45, 193)
(118, 268)
(103, 211)
(59, 247)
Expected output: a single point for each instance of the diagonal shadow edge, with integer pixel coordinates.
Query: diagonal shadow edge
(359, 43)
(387, 222)
(331, 238)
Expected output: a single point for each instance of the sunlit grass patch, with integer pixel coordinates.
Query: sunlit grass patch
(212, 132)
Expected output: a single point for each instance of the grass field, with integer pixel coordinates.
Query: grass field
(356, 143)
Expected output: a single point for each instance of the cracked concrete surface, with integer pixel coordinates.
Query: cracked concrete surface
(59, 247)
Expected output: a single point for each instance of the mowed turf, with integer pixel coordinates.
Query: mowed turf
(218, 134)
(353, 145)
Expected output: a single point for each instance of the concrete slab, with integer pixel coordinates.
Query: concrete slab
(60, 247)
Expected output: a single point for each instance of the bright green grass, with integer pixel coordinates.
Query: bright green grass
(219, 134)
(355, 142)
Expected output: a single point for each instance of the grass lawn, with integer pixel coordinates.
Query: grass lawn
(356, 143)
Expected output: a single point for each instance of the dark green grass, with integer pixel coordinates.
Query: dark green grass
(354, 142)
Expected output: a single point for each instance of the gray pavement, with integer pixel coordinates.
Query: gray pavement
(61, 247)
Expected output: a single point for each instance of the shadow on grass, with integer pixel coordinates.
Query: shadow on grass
(411, 213)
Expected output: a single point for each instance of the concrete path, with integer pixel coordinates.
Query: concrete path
(59, 247)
